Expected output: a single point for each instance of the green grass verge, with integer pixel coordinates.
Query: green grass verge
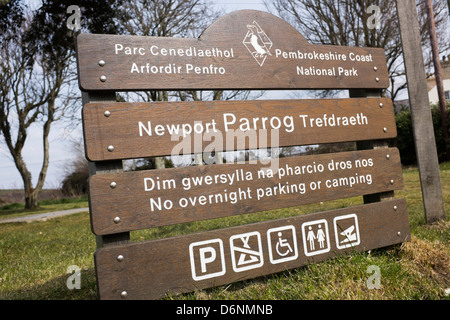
(15, 209)
(34, 258)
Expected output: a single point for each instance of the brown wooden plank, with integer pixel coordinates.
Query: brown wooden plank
(233, 189)
(224, 58)
(372, 144)
(105, 167)
(144, 129)
(149, 270)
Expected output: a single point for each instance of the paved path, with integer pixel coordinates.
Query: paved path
(43, 216)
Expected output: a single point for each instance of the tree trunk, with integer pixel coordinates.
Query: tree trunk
(29, 191)
(438, 76)
(31, 200)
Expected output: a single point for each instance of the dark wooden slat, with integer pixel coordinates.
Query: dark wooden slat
(103, 168)
(372, 144)
(124, 194)
(143, 129)
(226, 59)
(149, 270)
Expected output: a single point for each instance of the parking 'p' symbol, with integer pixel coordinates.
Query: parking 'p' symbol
(207, 259)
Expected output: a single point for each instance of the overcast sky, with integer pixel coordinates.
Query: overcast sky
(61, 141)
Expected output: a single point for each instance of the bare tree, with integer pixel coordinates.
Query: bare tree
(172, 18)
(163, 18)
(438, 75)
(350, 23)
(29, 92)
(37, 78)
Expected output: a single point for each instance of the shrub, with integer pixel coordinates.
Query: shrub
(405, 135)
(76, 183)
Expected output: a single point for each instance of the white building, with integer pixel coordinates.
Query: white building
(431, 82)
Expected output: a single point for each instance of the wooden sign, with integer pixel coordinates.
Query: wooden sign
(243, 50)
(149, 270)
(145, 199)
(133, 130)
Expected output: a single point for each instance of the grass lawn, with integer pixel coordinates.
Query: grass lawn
(15, 209)
(35, 257)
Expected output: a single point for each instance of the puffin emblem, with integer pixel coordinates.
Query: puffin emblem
(257, 43)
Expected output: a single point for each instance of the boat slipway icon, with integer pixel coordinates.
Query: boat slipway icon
(349, 235)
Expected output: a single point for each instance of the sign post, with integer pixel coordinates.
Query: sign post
(242, 50)
(424, 139)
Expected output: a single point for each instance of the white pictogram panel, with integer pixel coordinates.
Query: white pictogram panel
(246, 251)
(346, 230)
(282, 243)
(207, 259)
(316, 239)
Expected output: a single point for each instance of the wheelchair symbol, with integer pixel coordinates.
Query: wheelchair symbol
(282, 243)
